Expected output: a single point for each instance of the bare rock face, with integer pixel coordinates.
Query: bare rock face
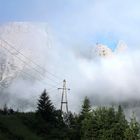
(103, 50)
(19, 39)
(8, 68)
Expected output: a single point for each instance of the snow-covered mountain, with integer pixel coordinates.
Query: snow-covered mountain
(29, 39)
(104, 51)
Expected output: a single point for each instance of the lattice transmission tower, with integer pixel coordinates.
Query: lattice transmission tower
(64, 100)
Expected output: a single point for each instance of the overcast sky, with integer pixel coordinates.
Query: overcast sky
(77, 22)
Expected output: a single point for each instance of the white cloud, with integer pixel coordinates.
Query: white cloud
(103, 80)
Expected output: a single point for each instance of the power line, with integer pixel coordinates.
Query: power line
(41, 82)
(30, 59)
(56, 87)
(27, 63)
(31, 76)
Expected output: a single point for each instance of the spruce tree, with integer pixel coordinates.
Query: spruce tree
(86, 107)
(45, 107)
(133, 132)
(84, 118)
(121, 124)
(5, 109)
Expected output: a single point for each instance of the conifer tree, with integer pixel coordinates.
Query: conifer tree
(133, 132)
(45, 106)
(121, 124)
(84, 118)
(86, 107)
(5, 109)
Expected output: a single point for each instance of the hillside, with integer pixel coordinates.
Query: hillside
(14, 127)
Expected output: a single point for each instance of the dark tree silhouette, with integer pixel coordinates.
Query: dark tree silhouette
(45, 107)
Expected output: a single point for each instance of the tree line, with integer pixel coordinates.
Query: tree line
(48, 123)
